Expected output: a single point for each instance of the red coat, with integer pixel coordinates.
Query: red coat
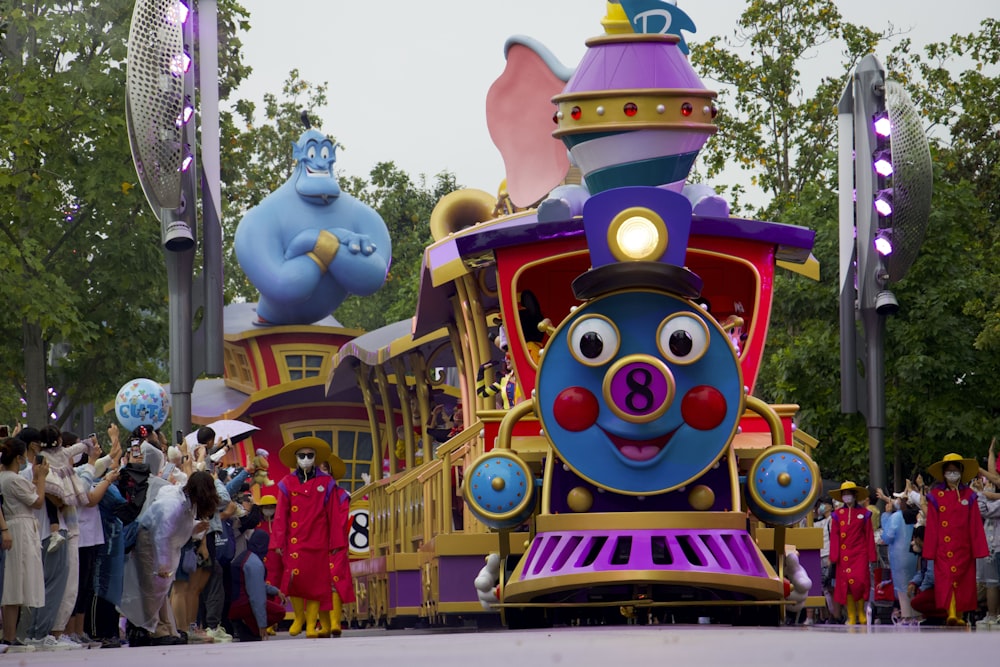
(340, 564)
(272, 562)
(954, 538)
(852, 548)
(306, 530)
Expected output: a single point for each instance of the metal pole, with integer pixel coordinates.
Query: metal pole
(848, 254)
(208, 104)
(875, 376)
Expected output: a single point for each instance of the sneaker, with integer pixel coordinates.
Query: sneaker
(986, 622)
(16, 647)
(111, 642)
(219, 635)
(55, 541)
(48, 643)
(167, 640)
(68, 642)
(196, 635)
(84, 640)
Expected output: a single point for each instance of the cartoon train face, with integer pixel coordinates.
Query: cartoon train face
(639, 391)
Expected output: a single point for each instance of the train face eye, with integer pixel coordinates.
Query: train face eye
(683, 339)
(593, 341)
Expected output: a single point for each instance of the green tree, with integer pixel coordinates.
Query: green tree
(941, 347)
(84, 280)
(406, 207)
(771, 124)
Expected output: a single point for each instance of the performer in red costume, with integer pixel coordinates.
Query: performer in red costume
(852, 548)
(306, 532)
(954, 537)
(272, 562)
(340, 564)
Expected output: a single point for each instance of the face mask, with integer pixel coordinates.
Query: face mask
(306, 461)
(848, 498)
(24, 466)
(268, 514)
(953, 476)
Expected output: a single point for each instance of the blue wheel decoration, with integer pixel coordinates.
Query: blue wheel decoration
(500, 490)
(782, 486)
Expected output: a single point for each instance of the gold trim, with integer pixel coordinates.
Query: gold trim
(528, 499)
(481, 279)
(612, 372)
(325, 352)
(325, 249)
(322, 267)
(402, 562)
(514, 415)
(570, 340)
(756, 291)
(665, 350)
(515, 287)
(802, 538)
(618, 38)
(549, 523)
(654, 110)
(648, 215)
(760, 586)
(806, 503)
(475, 544)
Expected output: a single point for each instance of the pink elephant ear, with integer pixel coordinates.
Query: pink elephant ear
(519, 113)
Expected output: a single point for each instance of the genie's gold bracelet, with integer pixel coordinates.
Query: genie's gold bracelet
(325, 249)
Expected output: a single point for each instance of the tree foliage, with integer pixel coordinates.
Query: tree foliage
(941, 347)
(84, 279)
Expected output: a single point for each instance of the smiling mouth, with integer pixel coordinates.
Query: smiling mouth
(640, 450)
(317, 173)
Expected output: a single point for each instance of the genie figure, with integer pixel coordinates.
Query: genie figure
(308, 245)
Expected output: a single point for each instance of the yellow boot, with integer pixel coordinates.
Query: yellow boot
(298, 608)
(862, 616)
(324, 625)
(312, 615)
(335, 615)
(852, 611)
(953, 618)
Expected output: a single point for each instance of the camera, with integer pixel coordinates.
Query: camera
(136, 445)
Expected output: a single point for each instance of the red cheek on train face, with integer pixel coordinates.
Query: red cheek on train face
(703, 407)
(575, 409)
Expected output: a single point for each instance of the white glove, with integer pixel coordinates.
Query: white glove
(799, 579)
(487, 582)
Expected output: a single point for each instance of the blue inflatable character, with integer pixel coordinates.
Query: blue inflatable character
(308, 245)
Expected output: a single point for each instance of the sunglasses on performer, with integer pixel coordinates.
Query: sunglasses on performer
(306, 455)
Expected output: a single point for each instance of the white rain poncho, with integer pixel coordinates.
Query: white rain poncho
(165, 526)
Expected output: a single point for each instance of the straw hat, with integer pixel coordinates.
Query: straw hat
(288, 452)
(860, 492)
(970, 467)
(264, 501)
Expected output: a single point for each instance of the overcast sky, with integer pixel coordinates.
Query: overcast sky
(408, 80)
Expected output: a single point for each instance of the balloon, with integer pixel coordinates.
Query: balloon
(142, 401)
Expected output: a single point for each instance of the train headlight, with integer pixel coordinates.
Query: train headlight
(637, 234)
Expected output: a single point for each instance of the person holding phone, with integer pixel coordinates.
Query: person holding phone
(24, 580)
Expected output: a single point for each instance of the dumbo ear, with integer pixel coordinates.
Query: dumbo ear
(519, 113)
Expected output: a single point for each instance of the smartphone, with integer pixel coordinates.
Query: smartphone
(136, 445)
(39, 459)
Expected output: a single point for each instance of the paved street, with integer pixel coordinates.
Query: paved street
(659, 645)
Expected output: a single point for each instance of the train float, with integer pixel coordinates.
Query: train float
(572, 402)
